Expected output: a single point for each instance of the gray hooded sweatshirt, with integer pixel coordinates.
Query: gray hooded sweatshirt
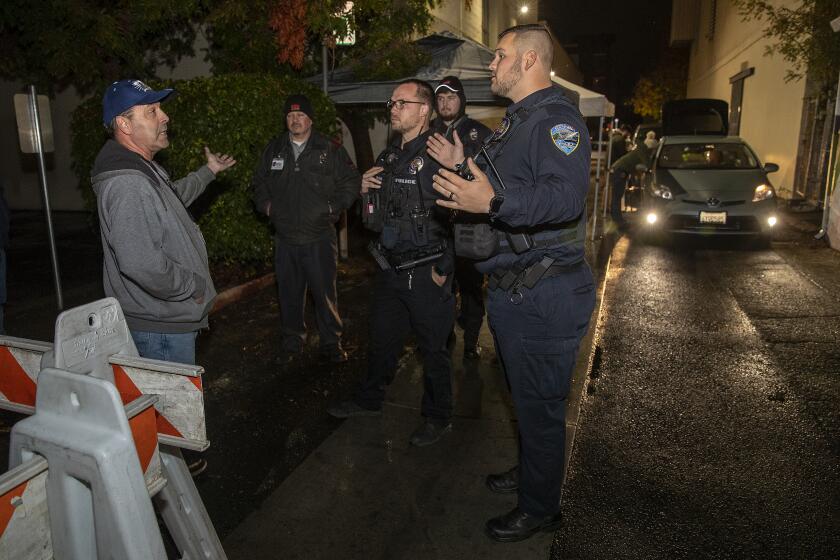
(155, 260)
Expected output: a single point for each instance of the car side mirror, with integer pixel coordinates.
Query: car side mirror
(770, 167)
(642, 167)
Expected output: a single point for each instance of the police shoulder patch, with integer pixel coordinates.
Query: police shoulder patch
(565, 137)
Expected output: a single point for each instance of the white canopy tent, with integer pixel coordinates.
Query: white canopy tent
(451, 55)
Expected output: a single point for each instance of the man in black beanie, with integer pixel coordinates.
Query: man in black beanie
(302, 183)
(451, 105)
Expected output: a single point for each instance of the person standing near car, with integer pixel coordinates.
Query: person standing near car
(618, 142)
(451, 105)
(412, 290)
(302, 183)
(624, 168)
(541, 292)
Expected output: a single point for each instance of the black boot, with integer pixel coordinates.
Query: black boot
(516, 525)
(504, 483)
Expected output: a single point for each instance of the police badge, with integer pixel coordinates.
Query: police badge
(415, 165)
(565, 138)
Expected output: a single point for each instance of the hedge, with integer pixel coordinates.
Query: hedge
(235, 114)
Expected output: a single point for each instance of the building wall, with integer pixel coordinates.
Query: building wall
(453, 16)
(772, 108)
(19, 172)
(498, 15)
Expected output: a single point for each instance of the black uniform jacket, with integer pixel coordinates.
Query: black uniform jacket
(544, 166)
(308, 195)
(410, 170)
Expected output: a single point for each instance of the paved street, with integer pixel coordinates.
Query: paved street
(711, 425)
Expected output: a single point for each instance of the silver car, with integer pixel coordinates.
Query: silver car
(708, 185)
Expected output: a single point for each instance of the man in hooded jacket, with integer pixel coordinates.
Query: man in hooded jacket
(155, 260)
(452, 120)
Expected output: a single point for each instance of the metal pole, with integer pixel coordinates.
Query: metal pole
(324, 65)
(597, 178)
(607, 186)
(343, 244)
(42, 172)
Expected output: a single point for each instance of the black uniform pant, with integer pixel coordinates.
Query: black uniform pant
(471, 291)
(312, 266)
(402, 303)
(537, 339)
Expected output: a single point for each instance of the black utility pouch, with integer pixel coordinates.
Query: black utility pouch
(475, 240)
(373, 211)
(419, 227)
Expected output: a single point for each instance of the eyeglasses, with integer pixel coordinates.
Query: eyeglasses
(400, 103)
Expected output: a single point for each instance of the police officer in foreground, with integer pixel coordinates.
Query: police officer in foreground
(302, 183)
(540, 289)
(452, 121)
(412, 290)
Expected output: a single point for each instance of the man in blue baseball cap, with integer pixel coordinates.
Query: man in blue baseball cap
(155, 261)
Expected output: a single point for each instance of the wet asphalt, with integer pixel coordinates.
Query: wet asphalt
(710, 425)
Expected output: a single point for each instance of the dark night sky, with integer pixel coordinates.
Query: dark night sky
(640, 28)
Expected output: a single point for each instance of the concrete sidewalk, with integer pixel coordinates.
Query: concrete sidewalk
(365, 493)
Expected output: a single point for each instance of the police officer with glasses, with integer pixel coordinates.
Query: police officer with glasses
(412, 291)
(540, 290)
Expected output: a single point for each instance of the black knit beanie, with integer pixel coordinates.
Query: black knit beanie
(300, 103)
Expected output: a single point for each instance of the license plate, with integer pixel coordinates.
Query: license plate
(712, 217)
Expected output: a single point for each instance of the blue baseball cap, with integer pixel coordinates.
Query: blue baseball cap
(125, 94)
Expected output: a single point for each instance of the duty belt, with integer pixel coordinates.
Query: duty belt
(515, 277)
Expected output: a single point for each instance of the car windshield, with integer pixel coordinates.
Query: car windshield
(706, 156)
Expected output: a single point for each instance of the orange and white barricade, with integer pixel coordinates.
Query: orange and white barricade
(163, 407)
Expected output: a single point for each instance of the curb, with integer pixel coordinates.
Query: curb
(232, 295)
(587, 354)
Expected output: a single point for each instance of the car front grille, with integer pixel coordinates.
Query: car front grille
(723, 204)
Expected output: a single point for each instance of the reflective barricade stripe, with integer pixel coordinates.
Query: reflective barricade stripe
(24, 519)
(180, 407)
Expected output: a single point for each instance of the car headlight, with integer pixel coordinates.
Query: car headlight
(662, 192)
(763, 192)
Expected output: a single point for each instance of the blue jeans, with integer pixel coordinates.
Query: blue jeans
(171, 347)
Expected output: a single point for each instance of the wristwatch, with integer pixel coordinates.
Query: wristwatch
(496, 204)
